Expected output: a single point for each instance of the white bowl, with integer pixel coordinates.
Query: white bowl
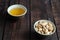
(17, 6)
(47, 21)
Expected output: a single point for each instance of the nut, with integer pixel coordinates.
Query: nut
(44, 27)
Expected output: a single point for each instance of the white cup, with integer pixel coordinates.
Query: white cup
(16, 6)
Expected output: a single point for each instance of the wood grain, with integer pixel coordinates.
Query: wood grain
(21, 28)
(56, 12)
(17, 28)
(41, 10)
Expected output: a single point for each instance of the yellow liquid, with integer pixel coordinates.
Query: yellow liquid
(17, 11)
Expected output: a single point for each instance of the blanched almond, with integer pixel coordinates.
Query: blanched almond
(43, 23)
(42, 32)
(50, 28)
(47, 26)
(40, 29)
(50, 24)
(44, 27)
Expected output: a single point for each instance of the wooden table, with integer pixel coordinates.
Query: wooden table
(12, 28)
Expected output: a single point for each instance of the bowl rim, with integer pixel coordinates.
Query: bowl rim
(20, 7)
(48, 21)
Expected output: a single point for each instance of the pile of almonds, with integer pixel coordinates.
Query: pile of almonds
(44, 27)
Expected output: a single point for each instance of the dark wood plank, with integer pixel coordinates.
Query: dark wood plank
(49, 7)
(56, 12)
(7, 3)
(51, 17)
(2, 19)
(37, 12)
(40, 10)
(17, 28)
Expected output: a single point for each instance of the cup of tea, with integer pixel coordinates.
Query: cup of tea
(17, 10)
(44, 27)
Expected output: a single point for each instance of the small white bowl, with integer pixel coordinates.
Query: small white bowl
(46, 21)
(16, 6)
